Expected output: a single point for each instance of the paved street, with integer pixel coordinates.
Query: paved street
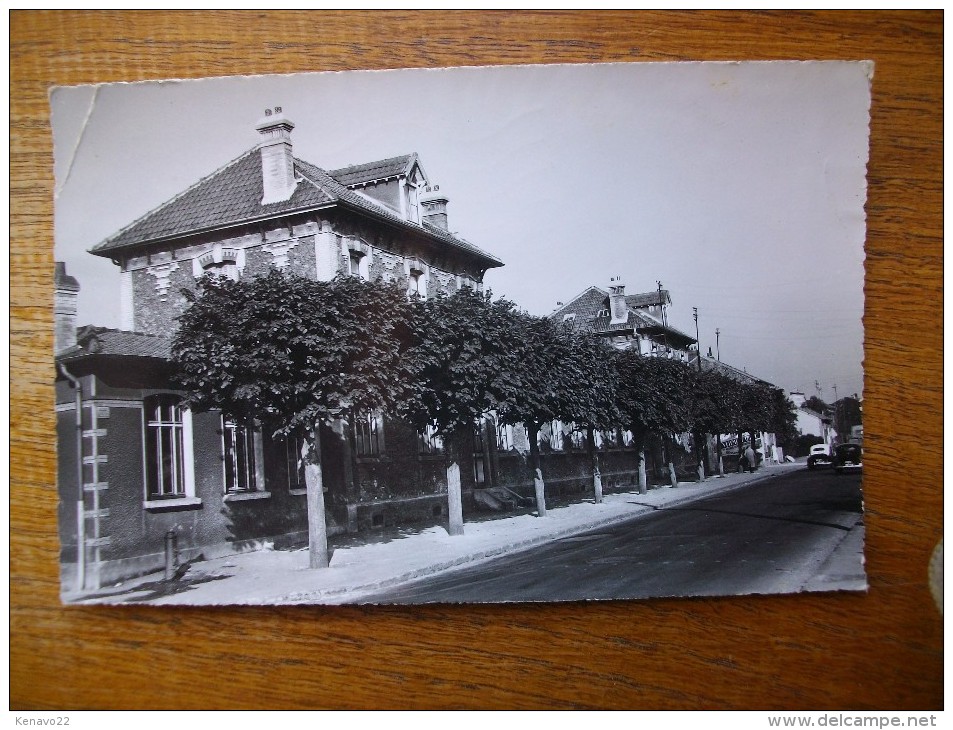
(800, 531)
(781, 529)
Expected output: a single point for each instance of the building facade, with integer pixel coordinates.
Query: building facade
(640, 322)
(136, 466)
(810, 422)
(628, 321)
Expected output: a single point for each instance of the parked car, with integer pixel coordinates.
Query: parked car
(820, 455)
(848, 457)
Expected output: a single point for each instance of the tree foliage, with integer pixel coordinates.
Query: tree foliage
(590, 382)
(653, 393)
(289, 352)
(784, 419)
(464, 349)
(712, 400)
(541, 372)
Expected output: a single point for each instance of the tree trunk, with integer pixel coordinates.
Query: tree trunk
(539, 486)
(672, 477)
(721, 463)
(454, 492)
(638, 433)
(700, 455)
(741, 451)
(596, 472)
(317, 527)
(706, 453)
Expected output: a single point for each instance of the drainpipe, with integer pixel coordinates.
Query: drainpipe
(80, 498)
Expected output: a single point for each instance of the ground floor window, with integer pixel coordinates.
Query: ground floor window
(503, 440)
(165, 447)
(294, 463)
(577, 439)
(608, 439)
(367, 435)
(429, 442)
(479, 456)
(242, 458)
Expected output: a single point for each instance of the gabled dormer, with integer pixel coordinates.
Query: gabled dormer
(397, 182)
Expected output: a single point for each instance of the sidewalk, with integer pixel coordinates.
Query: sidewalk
(283, 577)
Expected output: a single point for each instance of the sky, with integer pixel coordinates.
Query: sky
(739, 186)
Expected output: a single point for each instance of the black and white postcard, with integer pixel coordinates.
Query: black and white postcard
(528, 333)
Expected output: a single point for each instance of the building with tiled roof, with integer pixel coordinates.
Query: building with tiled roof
(136, 465)
(106, 342)
(627, 320)
(266, 208)
(810, 422)
(710, 364)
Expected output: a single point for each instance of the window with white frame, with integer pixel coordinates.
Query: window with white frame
(416, 278)
(241, 454)
(503, 439)
(367, 434)
(169, 471)
(413, 204)
(416, 285)
(358, 265)
(429, 442)
(480, 465)
(294, 464)
(577, 438)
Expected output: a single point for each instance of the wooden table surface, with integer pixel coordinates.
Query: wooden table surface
(881, 650)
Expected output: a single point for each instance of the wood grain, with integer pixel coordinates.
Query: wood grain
(882, 650)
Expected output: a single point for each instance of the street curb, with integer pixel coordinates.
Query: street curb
(510, 548)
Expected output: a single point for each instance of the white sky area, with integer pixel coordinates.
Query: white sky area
(740, 186)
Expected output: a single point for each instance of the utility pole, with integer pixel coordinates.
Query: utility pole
(697, 342)
(661, 304)
(837, 420)
(718, 343)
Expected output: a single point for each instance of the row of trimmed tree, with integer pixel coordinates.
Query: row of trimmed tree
(287, 353)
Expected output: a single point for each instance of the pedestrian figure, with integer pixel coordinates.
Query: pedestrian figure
(750, 458)
(742, 463)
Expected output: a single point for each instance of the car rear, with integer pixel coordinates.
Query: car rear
(848, 458)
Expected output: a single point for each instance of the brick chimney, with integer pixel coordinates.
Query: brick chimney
(65, 294)
(434, 204)
(617, 306)
(277, 163)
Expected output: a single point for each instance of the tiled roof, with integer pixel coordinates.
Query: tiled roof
(730, 371)
(586, 308)
(584, 305)
(635, 321)
(370, 171)
(229, 196)
(651, 323)
(815, 414)
(105, 341)
(232, 196)
(364, 204)
(648, 299)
